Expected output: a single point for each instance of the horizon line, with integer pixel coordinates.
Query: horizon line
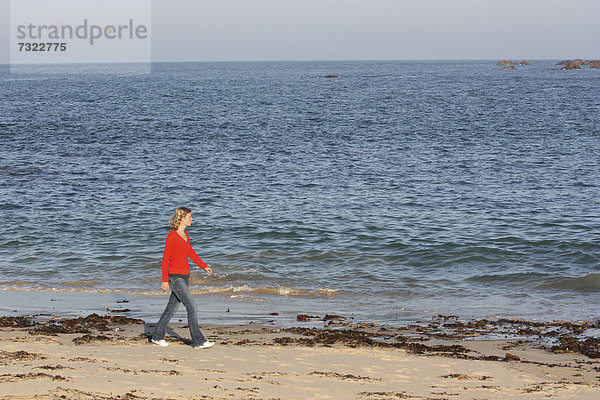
(293, 60)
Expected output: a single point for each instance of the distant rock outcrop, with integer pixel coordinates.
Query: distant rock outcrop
(509, 62)
(577, 61)
(506, 61)
(592, 63)
(329, 76)
(571, 66)
(511, 67)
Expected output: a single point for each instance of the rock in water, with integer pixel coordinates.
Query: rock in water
(506, 61)
(571, 66)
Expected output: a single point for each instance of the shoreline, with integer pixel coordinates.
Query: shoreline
(280, 311)
(51, 357)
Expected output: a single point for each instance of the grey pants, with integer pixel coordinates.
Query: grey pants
(180, 293)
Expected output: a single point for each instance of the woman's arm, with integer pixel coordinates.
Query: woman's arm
(192, 254)
(165, 260)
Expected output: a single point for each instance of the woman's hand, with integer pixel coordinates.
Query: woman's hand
(164, 286)
(207, 269)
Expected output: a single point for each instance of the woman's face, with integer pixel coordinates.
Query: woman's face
(187, 219)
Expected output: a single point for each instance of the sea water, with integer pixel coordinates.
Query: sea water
(400, 189)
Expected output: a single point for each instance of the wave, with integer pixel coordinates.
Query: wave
(588, 283)
(239, 291)
(231, 291)
(507, 278)
(81, 283)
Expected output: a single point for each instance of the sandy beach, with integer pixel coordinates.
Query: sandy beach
(99, 357)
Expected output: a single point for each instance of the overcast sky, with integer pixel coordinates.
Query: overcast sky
(232, 30)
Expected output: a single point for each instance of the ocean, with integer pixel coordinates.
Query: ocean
(400, 190)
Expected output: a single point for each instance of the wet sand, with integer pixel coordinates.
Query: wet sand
(101, 357)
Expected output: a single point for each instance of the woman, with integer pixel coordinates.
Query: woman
(176, 275)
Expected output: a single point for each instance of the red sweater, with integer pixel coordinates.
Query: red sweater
(176, 254)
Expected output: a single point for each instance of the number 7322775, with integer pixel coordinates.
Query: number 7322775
(49, 46)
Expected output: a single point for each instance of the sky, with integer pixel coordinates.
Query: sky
(265, 30)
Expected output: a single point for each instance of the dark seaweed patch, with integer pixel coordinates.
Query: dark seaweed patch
(81, 324)
(15, 322)
(85, 339)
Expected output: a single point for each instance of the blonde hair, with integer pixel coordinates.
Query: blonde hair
(178, 215)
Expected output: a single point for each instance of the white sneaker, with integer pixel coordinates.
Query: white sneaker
(161, 342)
(205, 345)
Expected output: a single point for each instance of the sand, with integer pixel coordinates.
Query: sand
(256, 362)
